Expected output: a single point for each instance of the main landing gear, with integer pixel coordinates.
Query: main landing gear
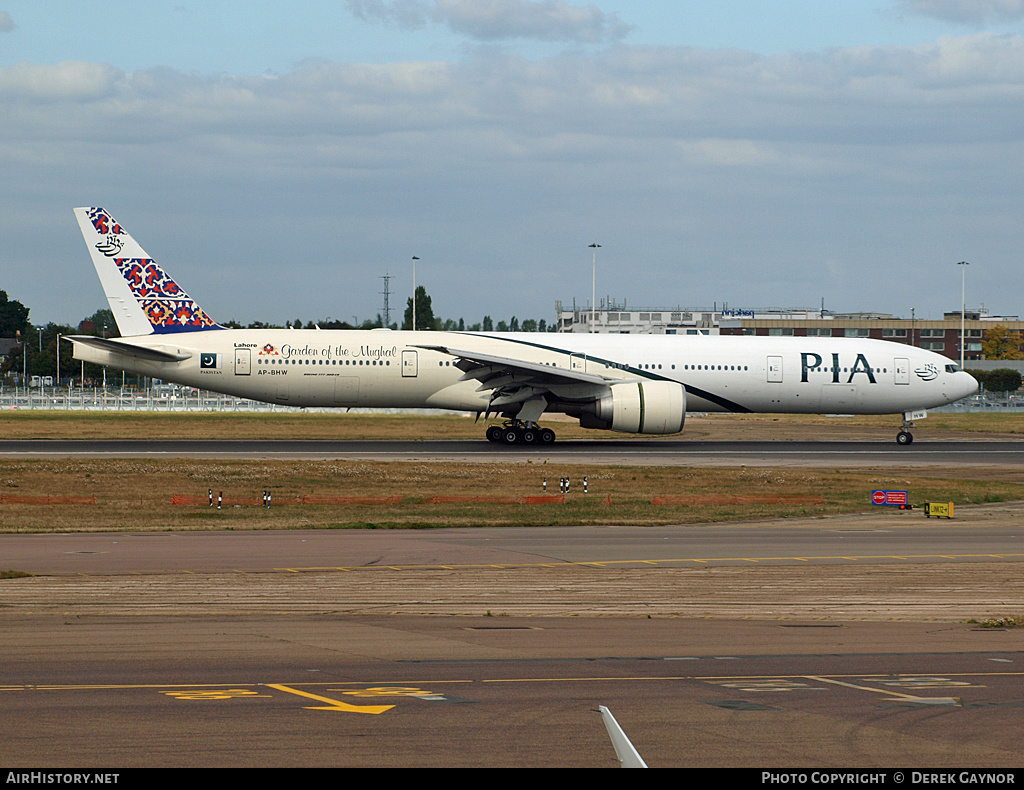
(518, 432)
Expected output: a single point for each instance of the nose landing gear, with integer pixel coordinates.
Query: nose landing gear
(905, 436)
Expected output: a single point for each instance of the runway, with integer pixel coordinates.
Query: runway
(649, 452)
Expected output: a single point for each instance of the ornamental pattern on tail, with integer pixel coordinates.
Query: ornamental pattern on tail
(166, 305)
(104, 223)
(111, 244)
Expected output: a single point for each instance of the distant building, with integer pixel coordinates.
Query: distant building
(7, 346)
(615, 319)
(942, 336)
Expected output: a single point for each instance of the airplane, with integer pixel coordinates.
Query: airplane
(637, 384)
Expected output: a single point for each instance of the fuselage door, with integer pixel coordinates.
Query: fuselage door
(902, 368)
(774, 370)
(243, 361)
(410, 364)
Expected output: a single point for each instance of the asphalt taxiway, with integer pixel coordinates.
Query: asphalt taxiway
(651, 452)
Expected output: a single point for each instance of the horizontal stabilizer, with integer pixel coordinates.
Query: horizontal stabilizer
(128, 350)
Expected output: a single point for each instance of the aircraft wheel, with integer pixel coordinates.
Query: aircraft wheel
(529, 436)
(546, 436)
(510, 436)
(904, 437)
(494, 434)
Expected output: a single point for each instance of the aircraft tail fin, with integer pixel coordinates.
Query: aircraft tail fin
(143, 299)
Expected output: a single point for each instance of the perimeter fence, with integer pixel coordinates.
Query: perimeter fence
(166, 399)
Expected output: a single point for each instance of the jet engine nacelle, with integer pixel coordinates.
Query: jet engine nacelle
(643, 407)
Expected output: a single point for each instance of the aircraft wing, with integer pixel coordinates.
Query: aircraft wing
(518, 381)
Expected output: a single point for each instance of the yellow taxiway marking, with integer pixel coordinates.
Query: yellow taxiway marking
(666, 561)
(200, 695)
(413, 686)
(114, 686)
(332, 704)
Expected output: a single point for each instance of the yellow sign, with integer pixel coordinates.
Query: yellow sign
(938, 509)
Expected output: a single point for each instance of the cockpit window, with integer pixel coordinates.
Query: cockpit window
(952, 368)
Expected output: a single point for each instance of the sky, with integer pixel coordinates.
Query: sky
(279, 158)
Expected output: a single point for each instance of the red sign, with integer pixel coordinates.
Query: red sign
(896, 498)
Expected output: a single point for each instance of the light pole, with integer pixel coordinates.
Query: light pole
(24, 361)
(593, 287)
(963, 306)
(414, 259)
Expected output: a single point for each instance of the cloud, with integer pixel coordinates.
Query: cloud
(404, 13)
(973, 12)
(294, 193)
(720, 107)
(64, 81)
(6, 23)
(496, 20)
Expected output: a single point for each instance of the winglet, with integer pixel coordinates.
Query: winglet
(143, 299)
(628, 756)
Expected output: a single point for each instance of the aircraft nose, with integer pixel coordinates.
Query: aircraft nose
(964, 384)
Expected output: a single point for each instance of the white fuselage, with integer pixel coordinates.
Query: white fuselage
(383, 368)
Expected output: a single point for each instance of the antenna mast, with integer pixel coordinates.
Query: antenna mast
(387, 305)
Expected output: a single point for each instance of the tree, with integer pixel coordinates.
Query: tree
(44, 363)
(329, 323)
(424, 311)
(262, 325)
(488, 324)
(101, 323)
(1003, 380)
(1001, 343)
(999, 380)
(13, 316)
